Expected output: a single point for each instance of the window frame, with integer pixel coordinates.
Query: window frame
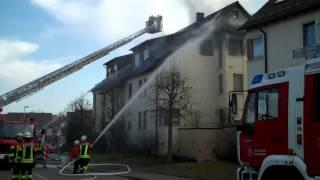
(251, 40)
(144, 54)
(206, 48)
(304, 33)
(136, 60)
(242, 86)
(270, 89)
(130, 90)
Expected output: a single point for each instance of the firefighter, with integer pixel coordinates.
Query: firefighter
(15, 158)
(74, 154)
(27, 158)
(85, 146)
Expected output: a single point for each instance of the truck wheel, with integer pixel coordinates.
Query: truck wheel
(282, 172)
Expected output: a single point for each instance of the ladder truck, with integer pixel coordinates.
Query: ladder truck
(153, 25)
(279, 133)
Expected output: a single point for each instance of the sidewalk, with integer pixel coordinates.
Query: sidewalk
(153, 176)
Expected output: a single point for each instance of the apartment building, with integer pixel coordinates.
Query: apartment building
(209, 54)
(283, 33)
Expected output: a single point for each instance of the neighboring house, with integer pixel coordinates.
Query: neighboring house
(209, 54)
(41, 119)
(283, 33)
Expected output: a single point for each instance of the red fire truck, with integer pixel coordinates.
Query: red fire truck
(279, 133)
(8, 132)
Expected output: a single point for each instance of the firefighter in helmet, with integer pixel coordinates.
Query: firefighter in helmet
(15, 157)
(85, 146)
(74, 155)
(27, 157)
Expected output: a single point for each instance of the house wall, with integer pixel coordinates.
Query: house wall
(283, 37)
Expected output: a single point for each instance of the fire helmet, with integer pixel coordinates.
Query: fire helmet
(27, 134)
(76, 142)
(19, 135)
(84, 137)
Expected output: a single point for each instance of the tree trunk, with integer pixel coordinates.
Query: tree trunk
(169, 157)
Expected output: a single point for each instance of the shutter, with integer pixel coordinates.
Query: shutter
(249, 49)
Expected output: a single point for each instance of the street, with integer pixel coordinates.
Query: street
(52, 174)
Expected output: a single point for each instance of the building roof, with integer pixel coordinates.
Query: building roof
(165, 46)
(125, 58)
(276, 10)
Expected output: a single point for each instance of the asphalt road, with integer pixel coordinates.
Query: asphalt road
(52, 174)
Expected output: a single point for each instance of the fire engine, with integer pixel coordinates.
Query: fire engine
(8, 131)
(279, 133)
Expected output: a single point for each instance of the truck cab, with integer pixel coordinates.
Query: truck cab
(8, 132)
(279, 133)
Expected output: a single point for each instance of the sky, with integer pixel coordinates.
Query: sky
(39, 36)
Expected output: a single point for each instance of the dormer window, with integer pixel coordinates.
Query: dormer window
(136, 60)
(146, 54)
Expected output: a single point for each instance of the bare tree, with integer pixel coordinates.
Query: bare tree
(173, 97)
(79, 118)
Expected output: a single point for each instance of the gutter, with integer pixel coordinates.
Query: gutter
(265, 38)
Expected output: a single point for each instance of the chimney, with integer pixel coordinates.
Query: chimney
(199, 16)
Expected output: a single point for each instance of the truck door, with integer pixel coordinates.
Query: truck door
(270, 126)
(311, 132)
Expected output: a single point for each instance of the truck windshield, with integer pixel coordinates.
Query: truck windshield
(10, 130)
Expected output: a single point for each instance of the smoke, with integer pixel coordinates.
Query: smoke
(206, 6)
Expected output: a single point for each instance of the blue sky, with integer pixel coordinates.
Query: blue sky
(39, 36)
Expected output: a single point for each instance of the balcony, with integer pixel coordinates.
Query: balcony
(307, 52)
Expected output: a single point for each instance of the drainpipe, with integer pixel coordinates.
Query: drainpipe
(265, 38)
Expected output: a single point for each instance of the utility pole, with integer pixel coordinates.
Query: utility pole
(24, 112)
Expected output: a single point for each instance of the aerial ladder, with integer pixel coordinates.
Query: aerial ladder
(153, 25)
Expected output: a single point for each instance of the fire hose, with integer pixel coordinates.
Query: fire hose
(95, 174)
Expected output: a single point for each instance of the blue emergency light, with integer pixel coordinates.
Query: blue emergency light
(257, 79)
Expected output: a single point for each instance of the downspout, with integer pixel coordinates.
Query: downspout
(265, 38)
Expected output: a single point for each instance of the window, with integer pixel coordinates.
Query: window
(130, 90)
(146, 54)
(140, 83)
(145, 113)
(256, 48)
(129, 125)
(316, 99)
(136, 60)
(268, 101)
(220, 84)
(250, 111)
(237, 82)
(115, 68)
(220, 49)
(309, 35)
(206, 48)
(109, 71)
(235, 47)
(139, 123)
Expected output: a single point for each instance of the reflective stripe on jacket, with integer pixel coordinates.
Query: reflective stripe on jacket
(27, 153)
(14, 153)
(84, 150)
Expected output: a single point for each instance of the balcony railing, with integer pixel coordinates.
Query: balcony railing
(307, 52)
